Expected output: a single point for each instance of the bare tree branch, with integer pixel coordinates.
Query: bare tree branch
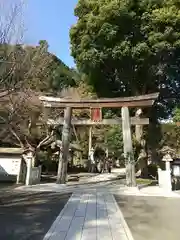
(23, 71)
(11, 34)
(45, 140)
(16, 136)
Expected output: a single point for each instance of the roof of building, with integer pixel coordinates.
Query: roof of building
(11, 150)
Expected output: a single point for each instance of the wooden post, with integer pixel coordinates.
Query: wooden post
(90, 139)
(90, 147)
(107, 152)
(63, 157)
(142, 156)
(128, 149)
(138, 128)
(138, 133)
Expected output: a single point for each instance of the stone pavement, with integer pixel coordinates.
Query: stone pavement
(100, 179)
(103, 177)
(115, 186)
(90, 216)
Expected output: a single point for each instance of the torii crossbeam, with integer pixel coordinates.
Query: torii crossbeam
(138, 101)
(87, 122)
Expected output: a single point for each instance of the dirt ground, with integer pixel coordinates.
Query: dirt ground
(151, 218)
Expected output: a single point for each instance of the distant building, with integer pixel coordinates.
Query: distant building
(10, 163)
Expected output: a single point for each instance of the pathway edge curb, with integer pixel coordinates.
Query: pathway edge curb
(128, 231)
(47, 236)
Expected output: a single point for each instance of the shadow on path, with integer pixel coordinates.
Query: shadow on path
(27, 216)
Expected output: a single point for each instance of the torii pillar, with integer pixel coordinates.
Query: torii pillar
(128, 148)
(63, 157)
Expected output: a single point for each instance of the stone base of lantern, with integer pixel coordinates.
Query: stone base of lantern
(164, 179)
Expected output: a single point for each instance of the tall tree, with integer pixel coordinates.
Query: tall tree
(129, 47)
(176, 120)
(11, 35)
(60, 77)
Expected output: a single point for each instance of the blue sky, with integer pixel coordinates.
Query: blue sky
(50, 20)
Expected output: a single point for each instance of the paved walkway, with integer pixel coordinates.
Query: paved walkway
(93, 216)
(92, 212)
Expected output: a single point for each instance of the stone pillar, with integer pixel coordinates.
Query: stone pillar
(128, 149)
(167, 159)
(168, 166)
(29, 158)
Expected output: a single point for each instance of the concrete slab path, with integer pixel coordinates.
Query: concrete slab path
(90, 216)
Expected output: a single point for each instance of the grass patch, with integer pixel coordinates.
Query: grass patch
(144, 181)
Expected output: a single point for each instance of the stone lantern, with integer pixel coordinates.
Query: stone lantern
(168, 155)
(167, 159)
(164, 176)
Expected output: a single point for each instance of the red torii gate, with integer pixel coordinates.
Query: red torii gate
(125, 103)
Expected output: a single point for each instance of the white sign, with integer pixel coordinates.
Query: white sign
(10, 166)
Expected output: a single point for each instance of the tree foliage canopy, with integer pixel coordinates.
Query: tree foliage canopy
(176, 117)
(130, 47)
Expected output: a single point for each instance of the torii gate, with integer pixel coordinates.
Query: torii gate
(125, 103)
